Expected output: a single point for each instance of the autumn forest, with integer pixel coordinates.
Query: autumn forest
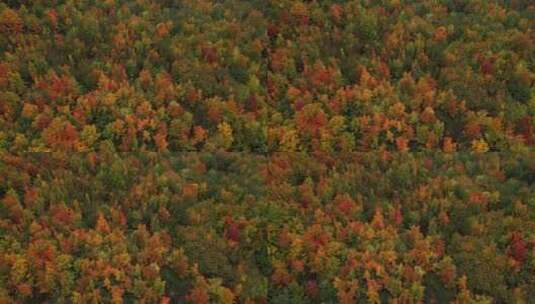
(267, 151)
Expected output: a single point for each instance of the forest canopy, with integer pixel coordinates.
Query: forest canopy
(267, 151)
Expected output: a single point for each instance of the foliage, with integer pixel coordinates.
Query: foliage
(288, 151)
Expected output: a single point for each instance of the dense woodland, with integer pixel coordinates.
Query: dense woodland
(267, 151)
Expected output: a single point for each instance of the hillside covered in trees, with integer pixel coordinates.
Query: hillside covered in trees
(267, 151)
